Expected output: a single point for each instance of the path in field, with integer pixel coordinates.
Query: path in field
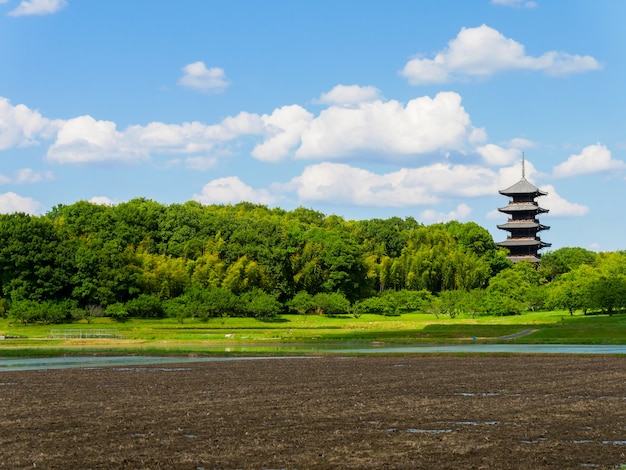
(517, 335)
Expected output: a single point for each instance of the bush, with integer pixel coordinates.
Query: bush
(30, 311)
(301, 303)
(259, 304)
(145, 306)
(332, 304)
(117, 311)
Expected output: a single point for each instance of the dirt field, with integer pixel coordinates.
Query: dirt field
(411, 412)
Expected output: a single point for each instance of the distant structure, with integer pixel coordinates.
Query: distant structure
(523, 243)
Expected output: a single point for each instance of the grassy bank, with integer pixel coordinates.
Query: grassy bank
(240, 334)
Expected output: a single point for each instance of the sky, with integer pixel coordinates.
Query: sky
(359, 108)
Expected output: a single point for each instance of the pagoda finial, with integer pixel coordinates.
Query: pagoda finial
(523, 166)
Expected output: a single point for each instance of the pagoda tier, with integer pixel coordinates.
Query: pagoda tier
(523, 243)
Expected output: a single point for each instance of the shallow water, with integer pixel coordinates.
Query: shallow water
(493, 348)
(90, 362)
(279, 351)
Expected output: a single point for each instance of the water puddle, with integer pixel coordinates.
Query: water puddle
(134, 363)
(417, 431)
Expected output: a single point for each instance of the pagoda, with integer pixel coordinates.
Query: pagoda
(523, 243)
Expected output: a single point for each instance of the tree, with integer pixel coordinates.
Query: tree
(331, 304)
(259, 304)
(145, 306)
(609, 293)
(117, 311)
(302, 303)
(564, 260)
(572, 290)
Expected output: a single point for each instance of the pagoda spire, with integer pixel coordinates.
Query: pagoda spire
(523, 166)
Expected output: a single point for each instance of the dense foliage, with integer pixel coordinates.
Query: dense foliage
(145, 259)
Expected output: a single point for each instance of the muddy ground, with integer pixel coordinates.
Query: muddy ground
(410, 412)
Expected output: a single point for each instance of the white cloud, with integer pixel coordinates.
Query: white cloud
(283, 129)
(102, 201)
(593, 159)
(38, 7)
(232, 190)
(26, 176)
(382, 131)
(197, 76)
(338, 183)
(349, 95)
(495, 155)
(11, 202)
(461, 213)
(85, 140)
(482, 52)
(425, 125)
(20, 126)
(200, 163)
(515, 3)
(558, 206)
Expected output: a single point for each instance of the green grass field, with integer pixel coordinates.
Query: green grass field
(298, 332)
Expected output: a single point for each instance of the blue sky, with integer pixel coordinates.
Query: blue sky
(357, 108)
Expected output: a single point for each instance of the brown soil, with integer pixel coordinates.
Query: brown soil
(409, 412)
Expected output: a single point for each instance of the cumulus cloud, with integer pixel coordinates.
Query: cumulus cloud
(87, 140)
(11, 202)
(593, 159)
(349, 95)
(283, 129)
(482, 52)
(495, 155)
(423, 126)
(461, 213)
(232, 190)
(515, 3)
(558, 206)
(102, 201)
(382, 131)
(38, 7)
(21, 126)
(197, 76)
(339, 183)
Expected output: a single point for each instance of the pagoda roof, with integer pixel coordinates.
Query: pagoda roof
(522, 207)
(510, 242)
(522, 225)
(522, 187)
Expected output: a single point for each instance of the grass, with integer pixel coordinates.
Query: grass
(299, 332)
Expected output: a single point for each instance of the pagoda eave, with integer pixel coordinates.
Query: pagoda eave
(523, 225)
(515, 242)
(511, 208)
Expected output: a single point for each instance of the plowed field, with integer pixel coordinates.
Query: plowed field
(400, 412)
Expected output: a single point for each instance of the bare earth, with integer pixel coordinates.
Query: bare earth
(401, 412)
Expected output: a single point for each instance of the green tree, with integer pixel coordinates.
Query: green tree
(332, 304)
(609, 293)
(259, 304)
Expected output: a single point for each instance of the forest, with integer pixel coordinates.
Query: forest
(145, 259)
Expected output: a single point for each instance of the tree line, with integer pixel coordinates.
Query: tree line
(145, 259)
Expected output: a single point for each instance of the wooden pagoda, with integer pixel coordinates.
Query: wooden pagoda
(523, 226)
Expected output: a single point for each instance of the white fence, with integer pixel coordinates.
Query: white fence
(83, 333)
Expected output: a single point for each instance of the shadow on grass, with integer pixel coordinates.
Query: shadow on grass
(273, 320)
